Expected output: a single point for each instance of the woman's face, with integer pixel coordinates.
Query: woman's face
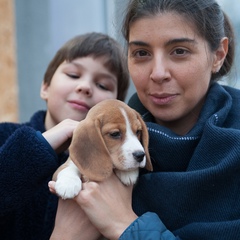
(76, 87)
(171, 66)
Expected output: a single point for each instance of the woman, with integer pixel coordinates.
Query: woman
(177, 50)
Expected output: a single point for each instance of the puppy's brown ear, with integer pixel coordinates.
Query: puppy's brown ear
(89, 152)
(145, 141)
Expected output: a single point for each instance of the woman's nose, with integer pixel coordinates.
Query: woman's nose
(160, 71)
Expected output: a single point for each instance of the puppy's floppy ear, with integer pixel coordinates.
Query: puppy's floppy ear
(89, 152)
(144, 141)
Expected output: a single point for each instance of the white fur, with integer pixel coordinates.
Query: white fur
(68, 183)
(131, 145)
(128, 177)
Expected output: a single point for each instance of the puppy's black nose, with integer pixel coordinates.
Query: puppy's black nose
(138, 156)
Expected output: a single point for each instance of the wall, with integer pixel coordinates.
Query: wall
(8, 83)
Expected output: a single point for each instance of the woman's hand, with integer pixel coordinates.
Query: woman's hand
(71, 223)
(108, 205)
(59, 137)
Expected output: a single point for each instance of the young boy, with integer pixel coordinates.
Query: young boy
(86, 70)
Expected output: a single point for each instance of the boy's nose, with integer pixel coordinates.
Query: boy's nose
(84, 87)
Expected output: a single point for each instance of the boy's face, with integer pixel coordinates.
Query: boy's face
(76, 87)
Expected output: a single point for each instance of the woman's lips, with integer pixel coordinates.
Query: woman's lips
(162, 99)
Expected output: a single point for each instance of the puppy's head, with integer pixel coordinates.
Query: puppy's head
(112, 135)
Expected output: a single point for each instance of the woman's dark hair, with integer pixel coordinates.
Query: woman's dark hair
(95, 45)
(210, 21)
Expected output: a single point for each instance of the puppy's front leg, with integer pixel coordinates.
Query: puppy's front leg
(68, 180)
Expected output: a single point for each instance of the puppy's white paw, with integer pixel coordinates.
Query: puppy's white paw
(68, 183)
(68, 186)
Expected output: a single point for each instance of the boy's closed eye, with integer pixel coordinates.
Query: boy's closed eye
(102, 86)
(72, 75)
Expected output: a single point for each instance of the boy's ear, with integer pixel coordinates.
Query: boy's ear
(220, 55)
(44, 91)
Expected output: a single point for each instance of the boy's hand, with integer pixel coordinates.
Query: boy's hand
(59, 137)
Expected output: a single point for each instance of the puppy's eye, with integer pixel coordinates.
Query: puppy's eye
(116, 134)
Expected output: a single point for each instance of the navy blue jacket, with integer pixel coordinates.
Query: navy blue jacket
(27, 162)
(193, 192)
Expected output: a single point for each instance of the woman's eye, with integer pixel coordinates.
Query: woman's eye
(140, 53)
(180, 51)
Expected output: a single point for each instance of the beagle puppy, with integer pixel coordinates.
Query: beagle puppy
(112, 137)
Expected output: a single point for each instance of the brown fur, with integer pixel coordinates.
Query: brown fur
(93, 150)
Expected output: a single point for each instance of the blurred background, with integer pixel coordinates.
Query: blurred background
(31, 31)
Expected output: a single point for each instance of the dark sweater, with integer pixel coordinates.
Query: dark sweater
(195, 186)
(27, 162)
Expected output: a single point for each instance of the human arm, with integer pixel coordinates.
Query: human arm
(148, 226)
(108, 206)
(22, 156)
(27, 162)
(72, 223)
(111, 200)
